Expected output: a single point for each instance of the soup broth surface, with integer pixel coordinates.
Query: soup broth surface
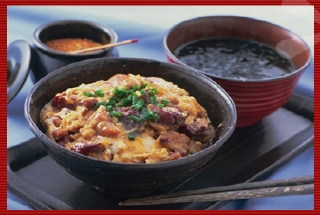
(234, 58)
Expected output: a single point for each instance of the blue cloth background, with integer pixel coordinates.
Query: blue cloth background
(149, 24)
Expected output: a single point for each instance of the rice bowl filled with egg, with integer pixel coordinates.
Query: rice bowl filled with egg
(128, 118)
(130, 126)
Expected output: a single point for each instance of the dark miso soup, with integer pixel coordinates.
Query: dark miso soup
(234, 58)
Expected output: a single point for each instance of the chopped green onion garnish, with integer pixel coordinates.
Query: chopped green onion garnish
(144, 113)
(131, 136)
(144, 85)
(160, 105)
(150, 114)
(118, 114)
(140, 102)
(129, 98)
(143, 92)
(98, 93)
(124, 97)
(134, 99)
(115, 90)
(153, 100)
(124, 102)
(137, 106)
(136, 87)
(88, 94)
(120, 92)
(156, 117)
(109, 108)
(100, 103)
(153, 115)
(165, 101)
(152, 91)
(134, 118)
(124, 91)
(115, 99)
(115, 113)
(111, 103)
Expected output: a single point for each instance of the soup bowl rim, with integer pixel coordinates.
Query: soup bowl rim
(277, 78)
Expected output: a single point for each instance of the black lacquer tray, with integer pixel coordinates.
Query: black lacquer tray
(251, 154)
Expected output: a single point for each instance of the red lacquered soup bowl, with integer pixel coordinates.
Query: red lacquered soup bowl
(254, 99)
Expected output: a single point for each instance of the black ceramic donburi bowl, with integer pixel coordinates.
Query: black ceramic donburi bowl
(131, 180)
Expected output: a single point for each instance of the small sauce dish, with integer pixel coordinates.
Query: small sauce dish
(39, 59)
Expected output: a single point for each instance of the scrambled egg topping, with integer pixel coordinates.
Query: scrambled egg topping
(128, 118)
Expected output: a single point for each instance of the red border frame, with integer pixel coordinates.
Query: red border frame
(3, 113)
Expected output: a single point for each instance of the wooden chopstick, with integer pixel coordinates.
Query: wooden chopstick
(295, 186)
(105, 46)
